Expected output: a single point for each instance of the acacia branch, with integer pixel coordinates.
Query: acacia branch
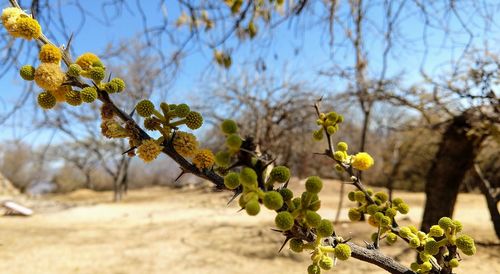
(358, 252)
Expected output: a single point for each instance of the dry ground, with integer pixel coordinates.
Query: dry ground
(161, 230)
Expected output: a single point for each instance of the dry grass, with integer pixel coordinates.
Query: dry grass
(161, 230)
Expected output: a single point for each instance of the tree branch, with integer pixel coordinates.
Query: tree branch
(373, 256)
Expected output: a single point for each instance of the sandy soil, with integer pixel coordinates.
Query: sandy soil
(161, 230)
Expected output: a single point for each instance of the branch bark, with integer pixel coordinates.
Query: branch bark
(374, 256)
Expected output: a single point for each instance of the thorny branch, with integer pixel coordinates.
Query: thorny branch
(365, 254)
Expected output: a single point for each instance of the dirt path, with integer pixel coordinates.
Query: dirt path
(162, 230)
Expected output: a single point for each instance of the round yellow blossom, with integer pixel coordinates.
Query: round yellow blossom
(149, 150)
(86, 60)
(203, 158)
(60, 93)
(185, 143)
(50, 54)
(9, 17)
(110, 128)
(152, 123)
(10, 12)
(362, 161)
(49, 76)
(26, 27)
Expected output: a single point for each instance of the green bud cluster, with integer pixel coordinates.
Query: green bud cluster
(381, 213)
(292, 213)
(167, 118)
(328, 122)
(233, 143)
(440, 236)
(377, 205)
(322, 255)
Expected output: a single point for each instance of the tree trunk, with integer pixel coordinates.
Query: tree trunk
(454, 158)
(491, 198)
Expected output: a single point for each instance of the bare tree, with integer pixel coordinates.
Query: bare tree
(275, 111)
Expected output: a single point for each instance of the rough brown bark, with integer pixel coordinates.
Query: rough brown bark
(374, 256)
(454, 158)
(491, 199)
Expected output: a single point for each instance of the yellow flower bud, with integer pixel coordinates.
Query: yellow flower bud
(49, 76)
(149, 150)
(362, 161)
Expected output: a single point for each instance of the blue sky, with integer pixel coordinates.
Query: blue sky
(312, 42)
